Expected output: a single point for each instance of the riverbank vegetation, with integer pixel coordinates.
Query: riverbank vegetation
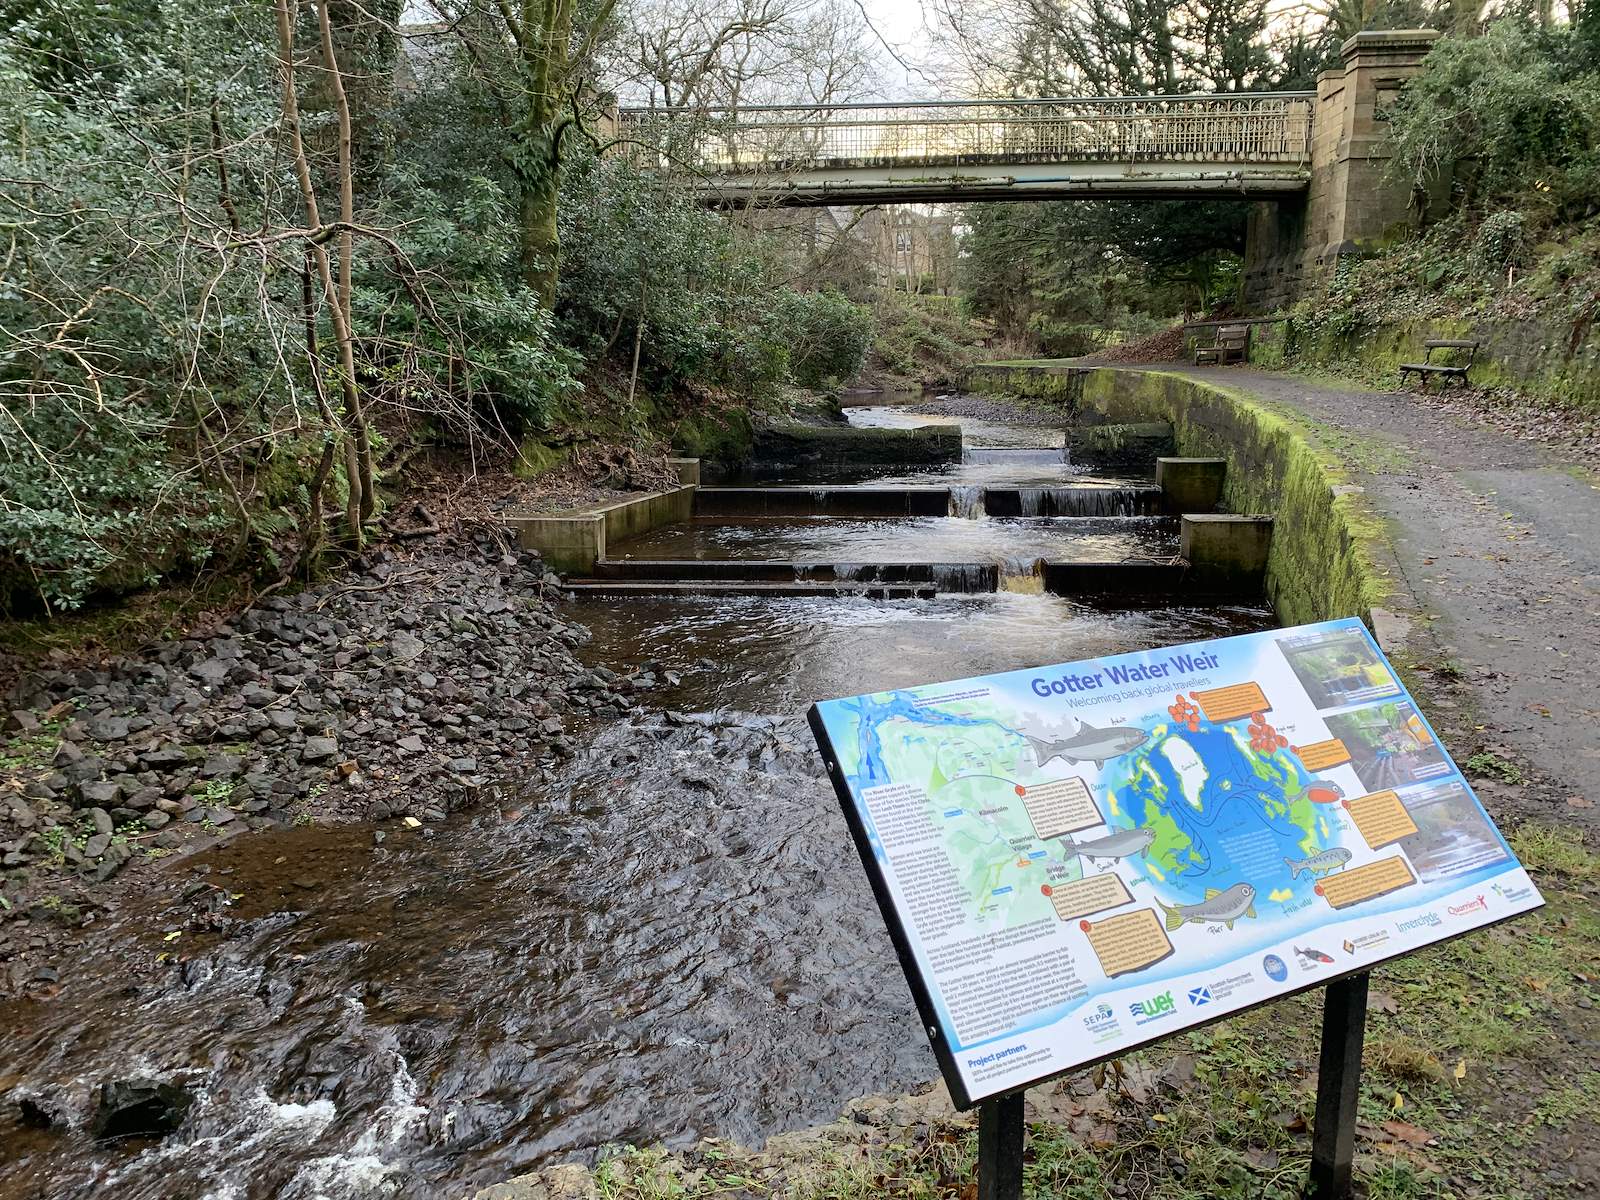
(258, 258)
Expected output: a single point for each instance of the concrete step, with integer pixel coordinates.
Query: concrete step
(822, 501)
(947, 577)
(623, 588)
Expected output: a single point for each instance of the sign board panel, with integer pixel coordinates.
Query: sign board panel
(1080, 859)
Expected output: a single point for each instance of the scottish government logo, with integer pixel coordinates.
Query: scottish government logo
(1199, 996)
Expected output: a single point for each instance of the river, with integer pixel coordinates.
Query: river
(672, 940)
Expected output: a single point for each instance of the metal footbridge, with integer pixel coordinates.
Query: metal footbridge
(1255, 145)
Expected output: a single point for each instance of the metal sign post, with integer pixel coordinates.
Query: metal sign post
(1333, 1145)
(1000, 1136)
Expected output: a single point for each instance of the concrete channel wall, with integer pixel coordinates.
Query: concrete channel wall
(1324, 556)
(572, 542)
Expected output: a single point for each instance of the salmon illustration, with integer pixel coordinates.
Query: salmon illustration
(1089, 744)
(1317, 864)
(1324, 791)
(1223, 907)
(1312, 953)
(1120, 843)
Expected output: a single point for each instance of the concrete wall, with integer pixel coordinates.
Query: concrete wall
(1327, 557)
(571, 542)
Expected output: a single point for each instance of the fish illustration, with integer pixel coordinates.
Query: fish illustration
(1088, 744)
(1324, 791)
(1120, 843)
(1318, 864)
(1313, 954)
(1226, 907)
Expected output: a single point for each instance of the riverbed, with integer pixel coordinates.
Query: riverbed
(671, 939)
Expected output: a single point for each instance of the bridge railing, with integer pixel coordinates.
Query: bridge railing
(1239, 127)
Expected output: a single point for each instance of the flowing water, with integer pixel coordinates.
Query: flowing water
(907, 539)
(670, 939)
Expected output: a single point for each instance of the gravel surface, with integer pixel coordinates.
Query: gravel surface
(1497, 534)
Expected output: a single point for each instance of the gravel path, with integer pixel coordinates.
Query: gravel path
(1498, 541)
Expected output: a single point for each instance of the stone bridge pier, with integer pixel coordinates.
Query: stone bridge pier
(1349, 207)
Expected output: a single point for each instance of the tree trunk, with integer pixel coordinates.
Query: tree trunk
(540, 235)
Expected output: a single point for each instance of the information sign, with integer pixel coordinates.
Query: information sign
(1077, 860)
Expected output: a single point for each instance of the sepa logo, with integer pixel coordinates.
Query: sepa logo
(1102, 1015)
(1277, 970)
(1476, 904)
(1153, 1008)
(1199, 996)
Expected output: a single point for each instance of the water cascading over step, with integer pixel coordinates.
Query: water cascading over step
(1023, 456)
(1022, 574)
(1073, 502)
(967, 503)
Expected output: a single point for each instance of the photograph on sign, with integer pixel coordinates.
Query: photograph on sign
(1078, 859)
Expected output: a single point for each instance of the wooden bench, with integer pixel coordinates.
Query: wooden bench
(1445, 370)
(1232, 342)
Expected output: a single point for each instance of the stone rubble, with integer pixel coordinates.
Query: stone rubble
(408, 689)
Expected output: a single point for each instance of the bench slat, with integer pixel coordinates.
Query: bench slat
(1449, 344)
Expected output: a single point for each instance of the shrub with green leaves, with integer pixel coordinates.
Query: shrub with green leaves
(1514, 113)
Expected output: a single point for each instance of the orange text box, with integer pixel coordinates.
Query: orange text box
(1321, 755)
(1129, 942)
(1353, 885)
(1381, 818)
(1228, 703)
(1091, 894)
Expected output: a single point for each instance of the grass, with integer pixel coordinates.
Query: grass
(1491, 766)
(1455, 1089)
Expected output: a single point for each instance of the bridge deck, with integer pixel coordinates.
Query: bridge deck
(1247, 143)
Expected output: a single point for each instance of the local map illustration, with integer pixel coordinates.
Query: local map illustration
(1081, 858)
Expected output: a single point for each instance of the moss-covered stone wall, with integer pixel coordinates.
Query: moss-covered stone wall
(1327, 545)
(1039, 379)
(1535, 357)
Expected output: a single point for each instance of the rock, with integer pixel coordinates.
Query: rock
(257, 696)
(164, 757)
(220, 816)
(143, 799)
(139, 1108)
(212, 672)
(405, 646)
(220, 766)
(464, 765)
(108, 729)
(20, 813)
(155, 819)
(96, 846)
(102, 821)
(102, 794)
(319, 749)
(22, 721)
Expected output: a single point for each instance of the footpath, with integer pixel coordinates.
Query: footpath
(1497, 541)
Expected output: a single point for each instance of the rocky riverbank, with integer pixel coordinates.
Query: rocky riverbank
(404, 690)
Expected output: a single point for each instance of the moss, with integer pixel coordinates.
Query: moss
(718, 435)
(1052, 379)
(534, 458)
(1324, 557)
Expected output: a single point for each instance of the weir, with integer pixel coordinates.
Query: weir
(1113, 541)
